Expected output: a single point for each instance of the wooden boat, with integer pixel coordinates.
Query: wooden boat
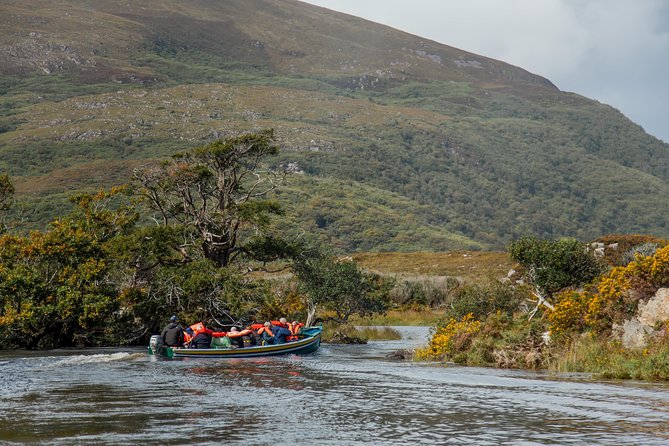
(308, 342)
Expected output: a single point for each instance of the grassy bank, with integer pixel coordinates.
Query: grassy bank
(607, 359)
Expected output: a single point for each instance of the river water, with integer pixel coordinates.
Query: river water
(340, 395)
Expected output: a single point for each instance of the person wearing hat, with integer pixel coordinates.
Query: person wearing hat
(173, 333)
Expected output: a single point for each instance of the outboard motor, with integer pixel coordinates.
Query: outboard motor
(156, 344)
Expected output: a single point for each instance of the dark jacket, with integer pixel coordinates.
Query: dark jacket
(281, 335)
(202, 340)
(173, 335)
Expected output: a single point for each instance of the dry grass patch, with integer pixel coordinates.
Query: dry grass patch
(469, 266)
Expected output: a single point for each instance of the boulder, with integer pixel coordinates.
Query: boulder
(656, 309)
(634, 333)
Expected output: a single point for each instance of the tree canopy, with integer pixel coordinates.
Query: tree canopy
(338, 285)
(555, 264)
(215, 197)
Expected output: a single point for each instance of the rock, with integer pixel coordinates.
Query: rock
(401, 355)
(634, 333)
(342, 338)
(656, 309)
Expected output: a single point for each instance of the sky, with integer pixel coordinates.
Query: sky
(613, 51)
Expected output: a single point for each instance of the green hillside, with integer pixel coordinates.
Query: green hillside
(395, 142)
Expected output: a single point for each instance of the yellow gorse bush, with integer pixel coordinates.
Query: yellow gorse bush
(443, 340)
(571, 312)
(575, 311)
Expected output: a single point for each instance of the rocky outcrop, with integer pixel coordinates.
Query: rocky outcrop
(635, 332)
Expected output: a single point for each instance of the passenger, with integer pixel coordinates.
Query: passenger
(281, 335)
(201, 340)
(173, 333)
(236, 339)
(266, 333)
(251, 338)
(188, 336)
(294, 328)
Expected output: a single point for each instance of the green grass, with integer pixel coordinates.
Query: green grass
(606, 359)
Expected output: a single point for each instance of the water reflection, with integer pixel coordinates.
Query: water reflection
(341, 395)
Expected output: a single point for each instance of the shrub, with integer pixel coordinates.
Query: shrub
(643, 250)
(480, 301)
(571, 313)
(554, 265)
(451, 338)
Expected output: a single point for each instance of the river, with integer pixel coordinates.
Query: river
(340, 395)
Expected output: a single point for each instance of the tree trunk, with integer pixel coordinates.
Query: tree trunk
(311, 312)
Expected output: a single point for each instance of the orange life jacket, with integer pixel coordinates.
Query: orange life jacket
(238, 334)
(279, 324)
(264, 329)
(187, 337)
(294, 330)
(197, 328)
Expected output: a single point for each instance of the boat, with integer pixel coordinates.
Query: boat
(309, 339)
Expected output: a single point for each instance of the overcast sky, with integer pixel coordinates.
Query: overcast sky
(614, 51)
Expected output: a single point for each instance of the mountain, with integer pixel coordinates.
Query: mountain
(397, 142)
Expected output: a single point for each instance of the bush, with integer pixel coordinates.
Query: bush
(554, 265)
(480, 301)
(451, 338)
(643, 250)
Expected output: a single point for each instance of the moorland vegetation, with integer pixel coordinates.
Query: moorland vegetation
(401, 144)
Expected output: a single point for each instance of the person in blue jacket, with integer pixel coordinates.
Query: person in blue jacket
(281, 334)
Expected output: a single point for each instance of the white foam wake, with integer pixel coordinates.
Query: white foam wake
(96, 359)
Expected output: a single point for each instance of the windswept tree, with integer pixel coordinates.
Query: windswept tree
(215, 198)
(338, 285)
(553, 265)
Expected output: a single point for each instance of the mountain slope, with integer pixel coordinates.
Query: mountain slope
(472, 151)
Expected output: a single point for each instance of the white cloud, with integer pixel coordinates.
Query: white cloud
(614, 51)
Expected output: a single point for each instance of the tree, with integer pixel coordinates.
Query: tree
(554, 265)
(340, 286)
(215, 196)
(54, 285)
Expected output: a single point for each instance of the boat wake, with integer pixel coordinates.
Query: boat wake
(97, 359)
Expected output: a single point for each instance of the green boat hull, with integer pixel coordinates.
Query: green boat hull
(309, 342)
